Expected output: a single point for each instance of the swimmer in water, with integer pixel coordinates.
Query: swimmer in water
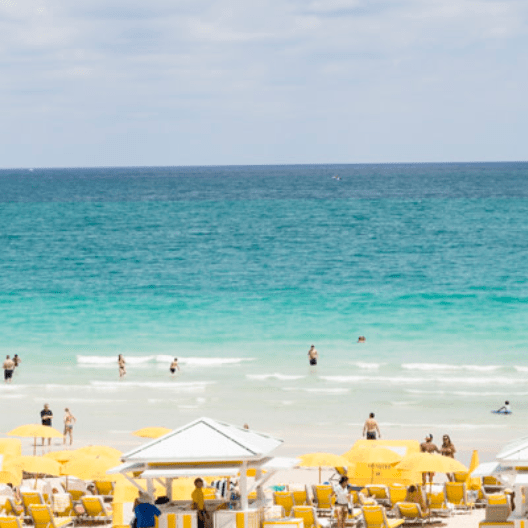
(361, 339)
(173, 366)
(505, 408)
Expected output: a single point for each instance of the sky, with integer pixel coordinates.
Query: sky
(237, 82)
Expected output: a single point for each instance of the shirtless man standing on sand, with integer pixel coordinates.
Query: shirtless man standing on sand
(313, 355)
(370, 428)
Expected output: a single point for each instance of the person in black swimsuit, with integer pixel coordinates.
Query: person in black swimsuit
(46, 415)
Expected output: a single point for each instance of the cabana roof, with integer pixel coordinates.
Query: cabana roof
(515, 453)
(204, 440)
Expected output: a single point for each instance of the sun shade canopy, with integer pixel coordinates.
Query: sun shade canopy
(205, 440)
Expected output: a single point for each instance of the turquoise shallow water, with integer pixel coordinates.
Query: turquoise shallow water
(237, 270)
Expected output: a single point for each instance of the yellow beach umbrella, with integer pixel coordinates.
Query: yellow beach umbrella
(152, 432)
(99, 450)
(37, 465)
(11, 477)
(430, 463)
(473, 483)
(35, 431)
(91, 467)
(321, 460)
(61, 456)
(372, 456)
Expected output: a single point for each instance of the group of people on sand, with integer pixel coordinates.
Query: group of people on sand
(9, 367)
(46, 416)
(121, 364)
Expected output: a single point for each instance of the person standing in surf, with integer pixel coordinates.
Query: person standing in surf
(121, 364)
(174, 366)
(313, 355)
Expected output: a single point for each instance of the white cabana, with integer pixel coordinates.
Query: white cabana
(511, 468)
(205, 447)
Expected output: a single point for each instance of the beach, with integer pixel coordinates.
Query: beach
(238, 270)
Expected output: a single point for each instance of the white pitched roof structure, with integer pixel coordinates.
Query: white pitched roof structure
(204, 440)
(515, 453)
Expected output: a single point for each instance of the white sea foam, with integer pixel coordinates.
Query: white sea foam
(335, 390)
(282, 377)
(132, 361)
(444, 380)
(367, 366)
(426, 367)
(521, 369)
(114, 386)
(502, 394)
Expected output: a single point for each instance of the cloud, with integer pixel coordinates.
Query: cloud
(328, 71)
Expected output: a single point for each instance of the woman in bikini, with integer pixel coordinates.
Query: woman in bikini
(121, 363)
(69, 420)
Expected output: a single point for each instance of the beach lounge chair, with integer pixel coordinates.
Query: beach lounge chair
(309, 517)
(10, 521)
(379, 492)
(411, 512)
(460, 476)
(284, 499)
(397, 493)
(95, 509)
(12, 508)
(323, 499)
(43, 517)
(491, 485)
(301, 497)
(456, 494)
(375, 517)
(29, 498)
(106, 489)
(437, 504)
(76, 494)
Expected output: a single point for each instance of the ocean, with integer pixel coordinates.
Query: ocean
(238, 270)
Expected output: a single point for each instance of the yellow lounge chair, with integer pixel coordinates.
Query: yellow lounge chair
(456, 494)
(76, 494)
(397, 493)
(29, 498)
(411, 512)
(12, 508)
(460, 476)
(491, 484)
(379, 492)
(95, 509)
(323, 499)
(301, 498)
(375, 517)
(437, 504)
(106, 489)
(309, 517)
(284, 499)
(43, 518)
(10, 521)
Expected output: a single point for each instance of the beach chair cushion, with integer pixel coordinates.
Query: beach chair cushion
(44, 518)
(10, 521)
(12, 508)
(309, 517)
(397, 494)
(410, 511)
(31, 497)
(95, 508)
(284, 499)
(455, 493)
(375, 517)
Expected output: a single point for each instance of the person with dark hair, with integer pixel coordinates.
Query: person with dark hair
(46, 415)
(414, 494)
(448, 449)
(371, 427)
(198, 503)
(428, 447)
(313, 355)
(9, 367)
(342, 495)
(173, 366)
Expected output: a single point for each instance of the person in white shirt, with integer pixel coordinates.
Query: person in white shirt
(342, 495)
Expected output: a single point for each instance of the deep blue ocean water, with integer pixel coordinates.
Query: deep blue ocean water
(238, 270)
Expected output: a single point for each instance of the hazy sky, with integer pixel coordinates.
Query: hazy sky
(207, 82)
